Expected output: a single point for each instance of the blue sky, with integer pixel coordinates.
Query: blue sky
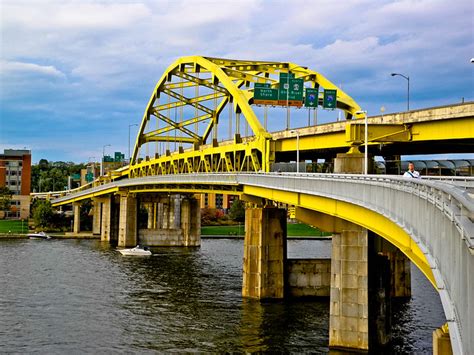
(75, 74)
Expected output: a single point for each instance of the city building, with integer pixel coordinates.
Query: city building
(15, 173)
(218, 201)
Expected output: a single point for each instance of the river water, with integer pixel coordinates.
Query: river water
(82, 296)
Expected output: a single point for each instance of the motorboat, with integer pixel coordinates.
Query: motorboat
(40, 235)
(137, 251)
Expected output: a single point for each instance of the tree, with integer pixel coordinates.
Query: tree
(43, 214)
(5, 199)
(237, 211)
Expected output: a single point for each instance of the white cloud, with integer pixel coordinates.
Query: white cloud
(17, 68)
(91, 56)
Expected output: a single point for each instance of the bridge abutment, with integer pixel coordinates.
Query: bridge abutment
(264, 253)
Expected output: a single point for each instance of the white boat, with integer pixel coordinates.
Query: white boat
(137, 251)
(40, 235)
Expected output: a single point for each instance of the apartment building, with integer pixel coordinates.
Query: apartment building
(15, 173)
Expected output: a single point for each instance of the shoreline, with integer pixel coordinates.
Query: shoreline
(92, 236)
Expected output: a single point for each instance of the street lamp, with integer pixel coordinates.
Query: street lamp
(102, 161)
(130, 125)
(366, 138)
(408, 92)
(297, 150)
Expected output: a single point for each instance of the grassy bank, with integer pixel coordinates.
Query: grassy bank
(13, 227)
(297, 229)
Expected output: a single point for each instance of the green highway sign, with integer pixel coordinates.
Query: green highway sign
(265, 94)
(330, 99)
(311, 97)
(295, 92)
(283, 76)
(262, 85)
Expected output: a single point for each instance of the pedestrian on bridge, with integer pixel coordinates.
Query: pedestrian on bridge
(411, 172)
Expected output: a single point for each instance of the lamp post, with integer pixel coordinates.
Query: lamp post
(297, 150)
(102, 161)
(408, 86)
(366, 138)
(130, 125)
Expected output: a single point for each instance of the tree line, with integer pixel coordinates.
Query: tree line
(53, 176)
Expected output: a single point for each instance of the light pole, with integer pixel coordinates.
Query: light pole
(297, 150)
(408, 91)
(366, 138)
(102, 161)
(130, 125)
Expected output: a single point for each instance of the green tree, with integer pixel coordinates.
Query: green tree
(43, 214)
(237, 211)
(5, 199)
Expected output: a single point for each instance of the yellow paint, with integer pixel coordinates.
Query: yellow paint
(226, 80)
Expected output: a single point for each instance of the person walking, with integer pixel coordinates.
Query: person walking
(411, 172)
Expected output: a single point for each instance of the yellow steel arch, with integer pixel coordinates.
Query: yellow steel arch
(225, 81)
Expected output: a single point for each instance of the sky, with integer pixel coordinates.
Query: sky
(75, 74)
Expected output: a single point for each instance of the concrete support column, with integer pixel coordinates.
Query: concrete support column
(76, 208)
(128, 221)
(96, 220)
(166, 214)
(171, 212)
(400, 271)
(105, 228)
(159, 215)
(348, 309)
(350, 163)
(442, 342)
(264, 253)
(400, 274)
(191, 222)
(151, 214)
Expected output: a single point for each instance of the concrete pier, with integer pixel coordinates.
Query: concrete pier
(348, 307)
(442, 342)
(96, 216)
(106, 216)
(127, 236)
(264, 253)
(76, 208)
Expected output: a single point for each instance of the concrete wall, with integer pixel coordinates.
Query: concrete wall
(168, 238)
(308, 277)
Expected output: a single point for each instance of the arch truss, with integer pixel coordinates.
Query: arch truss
(180, 130)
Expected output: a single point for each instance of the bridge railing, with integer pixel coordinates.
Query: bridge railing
(437, 215)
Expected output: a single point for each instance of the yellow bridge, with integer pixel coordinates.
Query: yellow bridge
(201, 133)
